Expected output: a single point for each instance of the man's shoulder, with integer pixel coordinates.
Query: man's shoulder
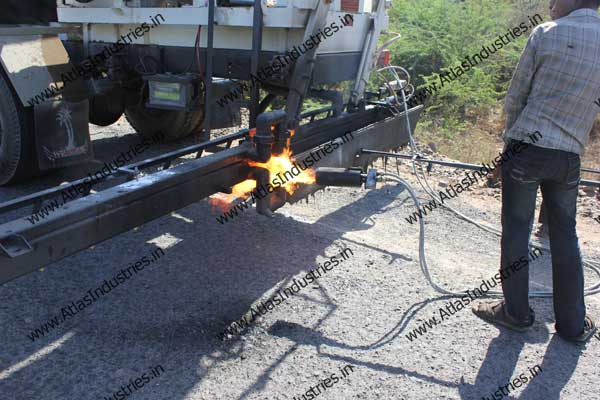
(545, 28)
(562, 26)
(591, 20)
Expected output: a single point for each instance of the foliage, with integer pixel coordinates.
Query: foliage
(437, 34)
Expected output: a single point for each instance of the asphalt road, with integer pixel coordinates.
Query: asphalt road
(157, 330)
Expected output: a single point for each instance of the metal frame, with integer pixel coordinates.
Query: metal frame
(83, 222)
(379, 21)
(127, 172)
(257, 34)
(99, 216)
(303, 70)
(209, 68)
(26, 30)
(230, 63)
(472, 167)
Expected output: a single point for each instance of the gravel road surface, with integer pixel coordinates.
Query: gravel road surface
(343, 336)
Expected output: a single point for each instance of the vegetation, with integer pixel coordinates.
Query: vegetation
(463, 119)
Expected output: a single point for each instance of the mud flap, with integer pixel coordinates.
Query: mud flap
(62, 133)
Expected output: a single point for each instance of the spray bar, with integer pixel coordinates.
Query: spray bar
(452, 164)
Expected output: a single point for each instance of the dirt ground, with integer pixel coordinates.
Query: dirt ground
(355, 316)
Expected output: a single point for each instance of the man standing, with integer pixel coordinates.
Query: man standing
(552, 91)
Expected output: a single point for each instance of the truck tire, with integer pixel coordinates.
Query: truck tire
(17, 153)
(106, 109)
(172, 124)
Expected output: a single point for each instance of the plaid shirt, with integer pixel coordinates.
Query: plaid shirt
(556, 84)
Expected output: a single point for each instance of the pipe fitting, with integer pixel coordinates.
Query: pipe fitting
(264, 138)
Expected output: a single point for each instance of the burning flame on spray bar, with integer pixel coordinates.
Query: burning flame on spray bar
(281, 174)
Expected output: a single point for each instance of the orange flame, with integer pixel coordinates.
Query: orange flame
(222, 202)
(283, 172)
(279, 165)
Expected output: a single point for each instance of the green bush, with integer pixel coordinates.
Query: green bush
(437, 34)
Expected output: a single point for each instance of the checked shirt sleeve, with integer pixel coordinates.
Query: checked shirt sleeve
(521, 81)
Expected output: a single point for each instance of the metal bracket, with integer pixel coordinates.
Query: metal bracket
(379, 20)
(304, 67)
(371, 182)
(14, 245)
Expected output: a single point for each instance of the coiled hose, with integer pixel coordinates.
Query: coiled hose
(594, 289)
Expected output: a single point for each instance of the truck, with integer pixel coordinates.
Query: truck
(179, 68)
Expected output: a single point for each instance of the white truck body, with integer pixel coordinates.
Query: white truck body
(284, 22)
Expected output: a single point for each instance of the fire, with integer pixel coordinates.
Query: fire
(222, 202)
(279, 165)
(283, 172)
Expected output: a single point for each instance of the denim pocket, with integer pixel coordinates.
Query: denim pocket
(529, 166)
(573, 170)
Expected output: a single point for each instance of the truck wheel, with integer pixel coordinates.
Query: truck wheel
(172, 124)
(17, 160)
(106, 109)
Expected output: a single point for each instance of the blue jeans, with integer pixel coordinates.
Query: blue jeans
(558, 174)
